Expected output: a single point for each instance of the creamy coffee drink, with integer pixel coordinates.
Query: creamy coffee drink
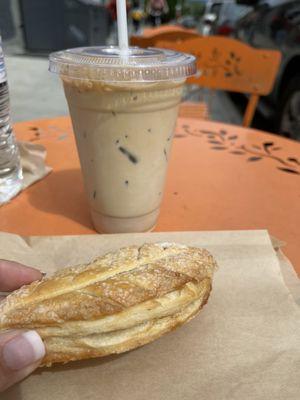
(123, 134)
(123, 123)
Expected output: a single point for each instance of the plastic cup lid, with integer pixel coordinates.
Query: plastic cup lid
(106, 64)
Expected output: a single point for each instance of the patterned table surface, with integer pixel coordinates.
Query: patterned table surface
(221, 177)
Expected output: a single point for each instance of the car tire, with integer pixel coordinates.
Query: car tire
(288, 123)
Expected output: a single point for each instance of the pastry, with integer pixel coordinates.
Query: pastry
(118, 302)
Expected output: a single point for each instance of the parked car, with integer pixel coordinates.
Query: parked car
(276, 25)
(187, 21)
(208, 21)
(221, 16)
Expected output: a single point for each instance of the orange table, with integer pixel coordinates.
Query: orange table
(221, 177)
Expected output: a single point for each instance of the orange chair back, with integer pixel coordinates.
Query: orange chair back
(175, 36)
(166, 28)
(230, 65)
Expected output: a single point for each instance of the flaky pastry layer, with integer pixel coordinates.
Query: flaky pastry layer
(118, 302)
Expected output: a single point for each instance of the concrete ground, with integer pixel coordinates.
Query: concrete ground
(34, 91)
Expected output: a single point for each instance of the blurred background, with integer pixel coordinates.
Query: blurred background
(31, 29)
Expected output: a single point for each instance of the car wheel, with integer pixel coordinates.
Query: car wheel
(289, 110)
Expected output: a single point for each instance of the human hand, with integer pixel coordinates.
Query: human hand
(20, 350)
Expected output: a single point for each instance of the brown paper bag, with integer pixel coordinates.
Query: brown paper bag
(244, 344)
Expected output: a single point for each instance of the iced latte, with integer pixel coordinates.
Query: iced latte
(124, 129)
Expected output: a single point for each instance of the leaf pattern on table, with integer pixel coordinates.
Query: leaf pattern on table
(214, 142)
(267, 146)
(254, 158)
(237, 152)
(222, 140)
(289, 170)
(294, 160)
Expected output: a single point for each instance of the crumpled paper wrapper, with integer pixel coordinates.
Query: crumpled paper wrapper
(33, 162)
(244, 344)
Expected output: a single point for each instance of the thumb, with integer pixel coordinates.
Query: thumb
(20, 354)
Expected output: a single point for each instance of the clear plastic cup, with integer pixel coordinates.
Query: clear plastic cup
(123, 112)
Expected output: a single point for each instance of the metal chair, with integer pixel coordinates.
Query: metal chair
(230, 65)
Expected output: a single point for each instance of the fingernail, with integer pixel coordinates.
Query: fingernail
(23, 350)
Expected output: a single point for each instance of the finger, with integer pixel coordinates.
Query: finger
(13, 275)
(20, 354)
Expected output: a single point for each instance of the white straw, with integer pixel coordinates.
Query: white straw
(122, 27)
